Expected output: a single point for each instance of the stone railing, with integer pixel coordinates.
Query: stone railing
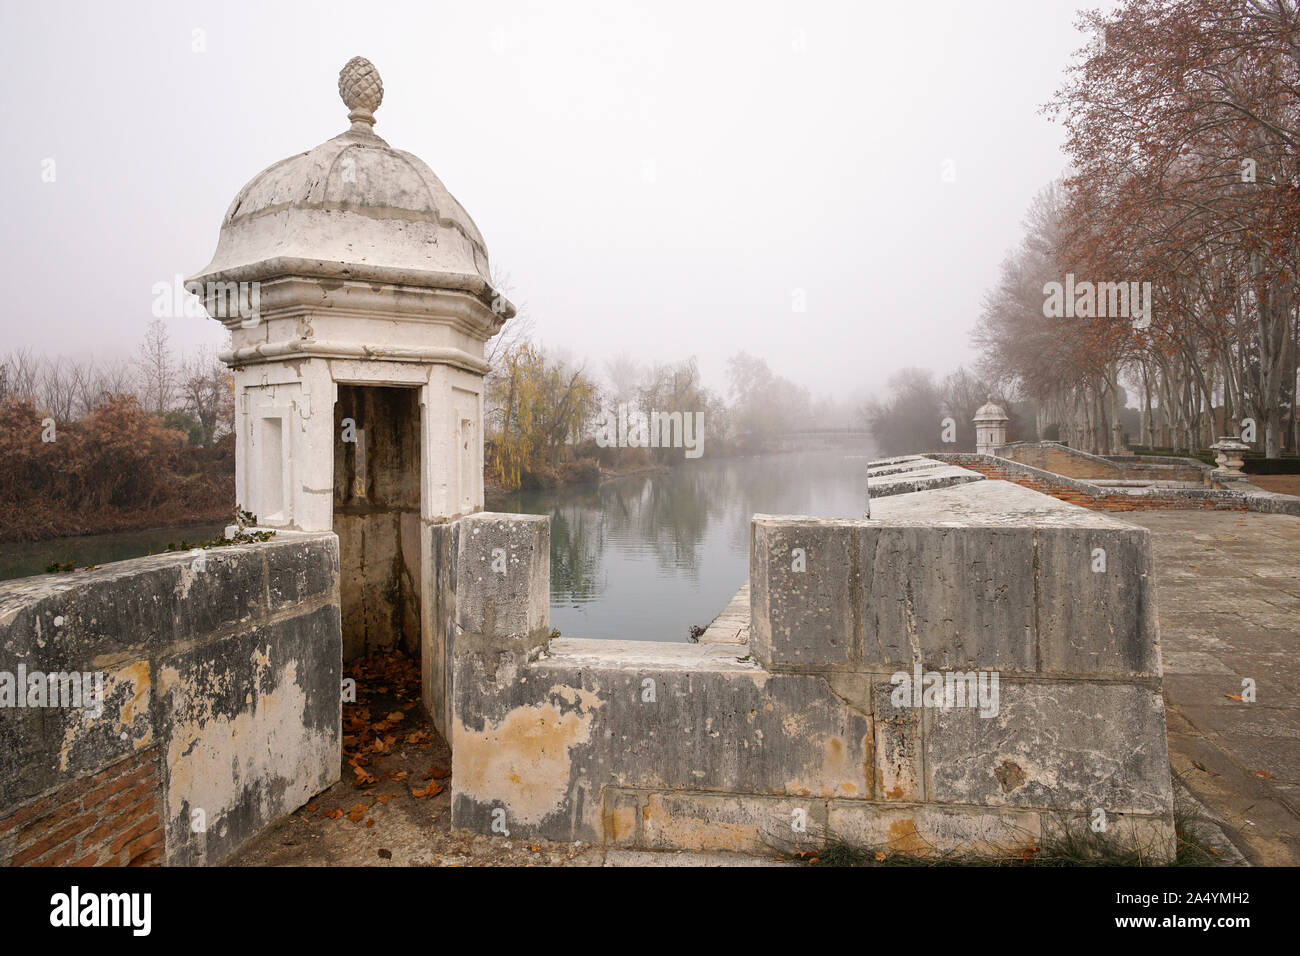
(207, 702)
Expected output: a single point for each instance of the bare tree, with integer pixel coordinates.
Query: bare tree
(19, 373)
(206, 393)
(156, 368)
(57, 392)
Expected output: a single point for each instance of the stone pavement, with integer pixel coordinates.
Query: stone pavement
(1228, 597)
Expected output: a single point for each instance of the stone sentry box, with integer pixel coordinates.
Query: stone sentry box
(357, 292)
(798, 739)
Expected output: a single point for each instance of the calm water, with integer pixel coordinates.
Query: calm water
(19, 559)
(638, 558)
(644, 558)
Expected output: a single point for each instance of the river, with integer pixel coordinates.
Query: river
(645, 558)
(636, 558)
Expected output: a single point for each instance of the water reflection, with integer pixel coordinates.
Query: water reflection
(646, 557)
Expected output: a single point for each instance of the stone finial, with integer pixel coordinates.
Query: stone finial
(362, 91)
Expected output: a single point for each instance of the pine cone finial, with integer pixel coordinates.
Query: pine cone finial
(361, 89)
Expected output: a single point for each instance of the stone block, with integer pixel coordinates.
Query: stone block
(956, 598)
(298, 569)
(1096, 602)
(738, 823)
(1053, 745)
(253, 730)
(802, 599)
(932, 831)
(503, 568)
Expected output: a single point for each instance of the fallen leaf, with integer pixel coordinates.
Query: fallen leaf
(385, 797)
(333, 814)
(535, 848)
(396, 717)
(385, 854)
(357, 812)
(1233, 697)
(437, 773)
(1263, 773)
(880, 856)
(432, 790)
(370, 823)
(313, 808)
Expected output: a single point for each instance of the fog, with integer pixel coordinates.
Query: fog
(828, 186)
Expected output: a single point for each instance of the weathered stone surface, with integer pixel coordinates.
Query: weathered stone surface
(929, 830)
(702, 747)
(543, 747)
(923, 476)
(297, 571)
(503, 575)
(220, 588)
(1059, 745)
(900, 772)
(744, 823)
(1096, 622)
(253, 730)
(949, 597)
(804, 574)
(243, 701)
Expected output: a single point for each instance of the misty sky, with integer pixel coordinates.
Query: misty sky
(657, 179)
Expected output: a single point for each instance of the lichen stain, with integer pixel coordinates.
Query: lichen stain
(132, 721)
(620, 824)
(680, 830)
(904, 838)
(836, 776)
(137, 704)
(524, 760)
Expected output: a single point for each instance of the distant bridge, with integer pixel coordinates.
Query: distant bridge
(808, 438)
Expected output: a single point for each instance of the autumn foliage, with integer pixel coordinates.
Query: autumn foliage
(117, 467)
(1182, 120)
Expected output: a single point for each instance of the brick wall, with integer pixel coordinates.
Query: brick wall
(111, 818)
(1062, 461)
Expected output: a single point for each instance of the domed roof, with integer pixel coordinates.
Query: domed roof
(352, 206)
(991, 412)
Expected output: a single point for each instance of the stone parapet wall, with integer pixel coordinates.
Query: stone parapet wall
(1063, 460)
(1103, 498)
(799, 739)
(221, 676)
